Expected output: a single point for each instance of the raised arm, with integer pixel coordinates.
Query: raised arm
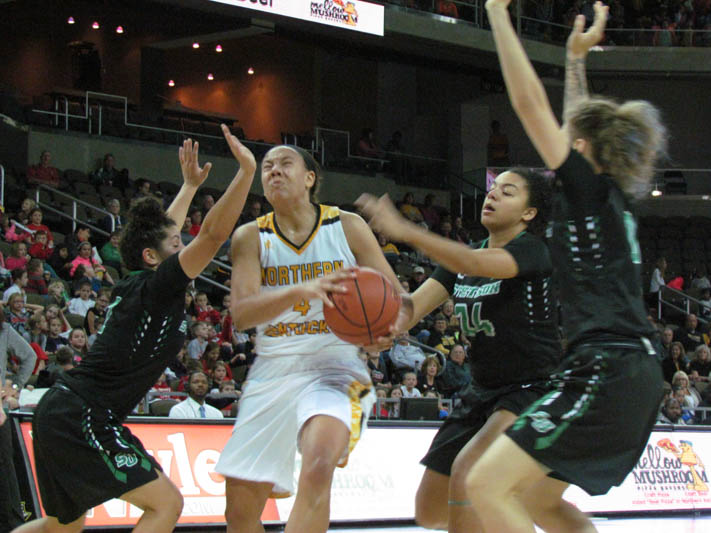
(526, 92)
(577, 48)
(193, 177)
(221, 219)
(454, 256)
(24, 352)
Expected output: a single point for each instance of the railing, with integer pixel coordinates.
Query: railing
(2, 185)
(685, 298)
(392, 406)
(75, 219)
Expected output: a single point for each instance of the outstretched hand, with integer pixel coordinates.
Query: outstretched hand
(241, 153)
(383, 216)
(579, 43)
(497, 3)
(193, 175)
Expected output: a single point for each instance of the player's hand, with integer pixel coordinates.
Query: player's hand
(321, 287)
(397, 328)
(384, 217)
(193, 175)
(241, 153)
(579, 43)
(3, 416)
(497, 3)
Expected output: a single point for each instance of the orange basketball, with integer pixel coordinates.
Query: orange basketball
(366, 311)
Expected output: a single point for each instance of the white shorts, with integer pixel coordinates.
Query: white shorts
(280, 395)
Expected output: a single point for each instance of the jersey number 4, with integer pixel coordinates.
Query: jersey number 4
(471, 328)
(302, 307)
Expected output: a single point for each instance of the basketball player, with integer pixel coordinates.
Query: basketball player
(591, 428)
(503, 299)
(307, 388)
(84, 454)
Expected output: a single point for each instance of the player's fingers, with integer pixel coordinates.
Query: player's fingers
(579, 24)
(205, 170)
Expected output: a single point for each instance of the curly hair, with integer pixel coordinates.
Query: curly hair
(147, 227)
(540, 188)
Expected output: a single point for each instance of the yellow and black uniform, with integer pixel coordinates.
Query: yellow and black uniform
(83, 452)
(592, 426)
(515, 345)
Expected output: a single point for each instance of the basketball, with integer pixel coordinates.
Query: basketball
(366, 311)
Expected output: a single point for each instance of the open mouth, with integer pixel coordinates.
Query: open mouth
(488, 208)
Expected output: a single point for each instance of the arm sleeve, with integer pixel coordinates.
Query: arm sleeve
(446, 278)
(585, 190)
(169, 279)
(531, 255)
(24, 352)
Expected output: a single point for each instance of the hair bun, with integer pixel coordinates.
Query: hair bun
(146, 210)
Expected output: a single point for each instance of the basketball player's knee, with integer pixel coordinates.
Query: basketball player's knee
(478, 485)
(171, 502)
(317, 472)
(428, 516)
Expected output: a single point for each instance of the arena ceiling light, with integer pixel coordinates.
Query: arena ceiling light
(196, 45)
(210, 76)
(171, 83)
(119, 29)
(250, 71)
(96, 25)
(218, 48)
(70, 20)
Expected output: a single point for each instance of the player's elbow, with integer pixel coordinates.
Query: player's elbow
(240, 317)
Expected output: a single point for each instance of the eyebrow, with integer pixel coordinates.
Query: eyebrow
(508, 185)
(280, 158)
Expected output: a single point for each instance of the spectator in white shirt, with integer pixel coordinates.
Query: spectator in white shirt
(194, 406)
(406, 356)
(657, 281)
(82, 304)
(196, 347)
(409, 386)
(19, 282)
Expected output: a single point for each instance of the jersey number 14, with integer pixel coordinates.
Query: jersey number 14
(476, 324)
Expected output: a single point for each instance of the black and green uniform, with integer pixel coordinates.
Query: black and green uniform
(591, 428)
(511, 324)
(84, 455)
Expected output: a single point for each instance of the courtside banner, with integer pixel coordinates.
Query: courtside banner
(353, 15)
(383, 473)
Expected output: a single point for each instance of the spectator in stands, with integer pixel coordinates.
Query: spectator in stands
(108, 174)
(456, 373)
(445, 228)
(143, 189)
(196, 347)
(394, 407)
(699, 279)
(18, 315)
(196, 222)
(386, 246)
(207, 202)
(366, 146)
(381, 394)
(498, 146)
(63, 360)
(700, 367)
(671, 413)
(666, 341)
(43, 173)
(398, 164)
(447, 8)
(113, 206)
(36, 284)
(427, 380)
(91, 266)
(194, 405)
(81, 305)
(78, 344)
(409, 386)
(705, 304)
(378, 369)
(429, 212)
(219, 373)
(54, 336)
(459, 232)
(417, 279)
(35, 224)
(210, 358)
(245, 351)
(97, 311)
(442, 337)
(406, 356)
(81, 234)
(205, 311)
(691, 395)
(37, 328)
(691, 335)
(110, 253)
(19, 282)
(19, 257)
(60, 261)
(676, 361)
(23, 215)
(40, 248)
(252, 213)
(657, 281)
(409, 210)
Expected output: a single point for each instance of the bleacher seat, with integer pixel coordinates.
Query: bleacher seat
(161, 407)
(75, 176)
(36, 299)
(75, 321)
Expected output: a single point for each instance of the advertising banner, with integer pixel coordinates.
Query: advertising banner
(353, 15)
(383, 473)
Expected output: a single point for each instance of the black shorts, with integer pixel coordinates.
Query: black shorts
(84, 456)
(478, 404)
(593, 425)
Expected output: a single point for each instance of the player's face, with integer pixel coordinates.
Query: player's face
(284, 175)
(507, 203)
(172, 244)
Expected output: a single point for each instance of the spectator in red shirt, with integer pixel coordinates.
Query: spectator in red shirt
(40, 248)
(447, 8)
(196, 220)
(19, 257)
(43, 172)
(36, 283)
(36, 225)
(205, 312)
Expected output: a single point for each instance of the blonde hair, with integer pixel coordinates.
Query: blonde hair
(626, 139)
(680, 374)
